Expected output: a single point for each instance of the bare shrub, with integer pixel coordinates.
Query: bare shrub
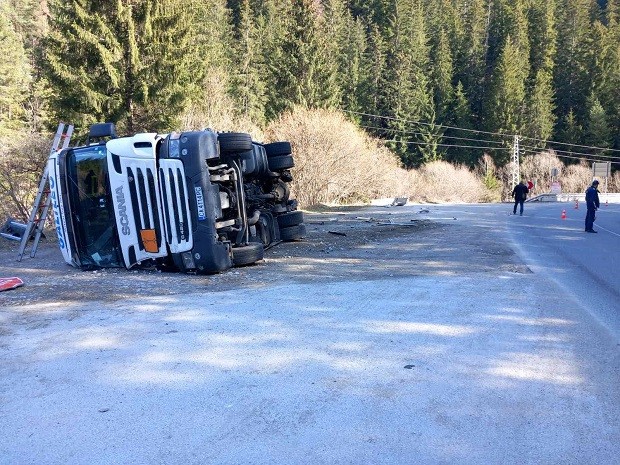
(22, 161)
(488, 173)
(439, 181)
(614, 182)
(335, 162)
(576, 178)
(215, 109)
(538, 168)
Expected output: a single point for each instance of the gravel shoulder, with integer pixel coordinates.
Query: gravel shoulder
(342, 243)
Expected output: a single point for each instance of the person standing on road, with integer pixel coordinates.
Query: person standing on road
(592, 204)
(520, 194)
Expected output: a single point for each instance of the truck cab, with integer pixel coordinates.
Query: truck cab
(197, 201)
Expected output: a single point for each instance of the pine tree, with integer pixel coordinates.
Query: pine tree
(571, 131)
(540, 119)
(542, 35)
(442, 73)
(208, 98)
(346, 44)
(571, 78)
(408, 95)
(461, 117)
(374, 71)
(272, 24)
(131, 62)
(609, 70)
(14, 76)
(598, 133)
(505, 105)
(249, 87)
(471, 60)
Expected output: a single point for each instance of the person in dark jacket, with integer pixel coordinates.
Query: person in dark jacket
(520, 194)
(592, 204)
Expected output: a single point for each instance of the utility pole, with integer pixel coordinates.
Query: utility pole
(516, 175)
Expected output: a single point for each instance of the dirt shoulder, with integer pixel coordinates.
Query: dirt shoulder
(361, 243)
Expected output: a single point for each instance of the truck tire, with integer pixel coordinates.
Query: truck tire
(234, 142)
(278, 148)
(293, 233)
(247, 254)
(282, 162)
(290, 219)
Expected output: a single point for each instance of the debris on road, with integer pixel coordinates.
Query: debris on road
(7, 284)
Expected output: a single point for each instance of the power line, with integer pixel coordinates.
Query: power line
(444, 145)
(429, 124)
(600, 155)
(442, 136)
(492, 133)
(571, 145)
(583, 157)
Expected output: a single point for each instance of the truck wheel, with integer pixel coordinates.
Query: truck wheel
(278, 148)
(247, 254)
(290, 219)
(293, 233)
(234, 142)
(283, 162)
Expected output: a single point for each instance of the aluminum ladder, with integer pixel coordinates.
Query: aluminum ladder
(42, 203)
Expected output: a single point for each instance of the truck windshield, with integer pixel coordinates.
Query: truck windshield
(92, 208)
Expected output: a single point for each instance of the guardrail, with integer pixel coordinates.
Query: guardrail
(571, 197)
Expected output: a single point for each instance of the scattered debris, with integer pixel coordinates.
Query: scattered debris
(10, 283)
(389, 223)
(12, 230)
(399, 201)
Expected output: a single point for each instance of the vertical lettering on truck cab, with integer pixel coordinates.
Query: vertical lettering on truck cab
(56, 208)
(122, 211)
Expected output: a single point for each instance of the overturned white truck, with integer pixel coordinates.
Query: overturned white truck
(197, 202)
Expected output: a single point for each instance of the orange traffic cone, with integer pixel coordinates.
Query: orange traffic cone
(563, 214)
(577, 204)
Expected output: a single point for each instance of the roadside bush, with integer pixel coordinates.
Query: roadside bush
(537, 168)
(335, 162)
(487, 172)
(22, 160)
(439, 181)
(576, 178)
(572, 178)
(216, 110)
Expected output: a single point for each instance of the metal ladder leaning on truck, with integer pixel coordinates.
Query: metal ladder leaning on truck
(196, 202)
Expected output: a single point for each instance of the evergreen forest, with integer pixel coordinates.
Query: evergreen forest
(436, 79)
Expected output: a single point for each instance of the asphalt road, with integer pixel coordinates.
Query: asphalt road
(585, 265)
(514, 364)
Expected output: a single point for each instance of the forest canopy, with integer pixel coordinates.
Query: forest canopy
(436, 80)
